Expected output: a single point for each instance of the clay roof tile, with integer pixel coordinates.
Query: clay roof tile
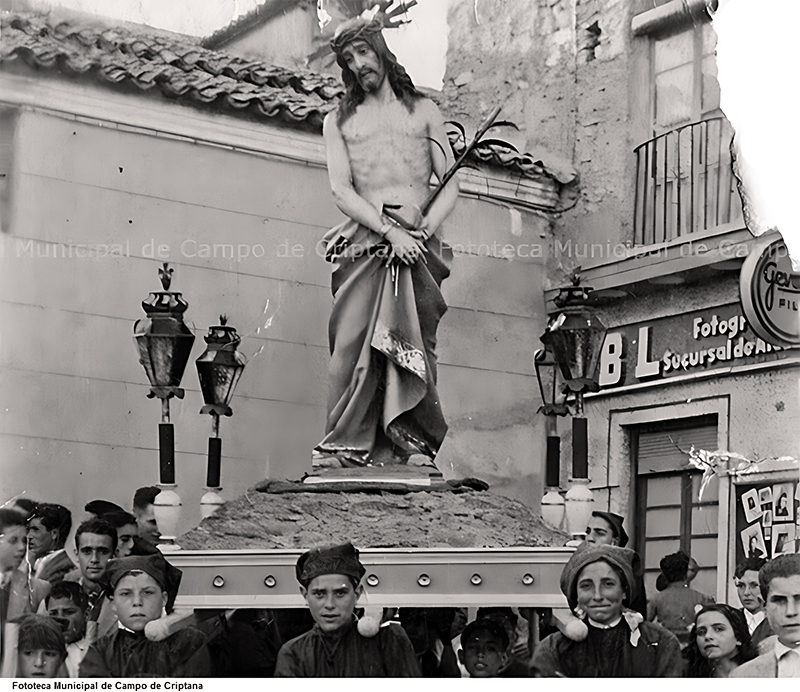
(180, 67)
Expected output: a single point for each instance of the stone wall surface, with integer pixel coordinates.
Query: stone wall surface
(562, 72)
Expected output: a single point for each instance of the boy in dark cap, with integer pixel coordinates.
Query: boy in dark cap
(330, 581)
(508, 620)
(605, 528)
(142, 588)
(484, 646)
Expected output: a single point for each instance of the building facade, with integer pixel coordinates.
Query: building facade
(126, 147)
(627, 92)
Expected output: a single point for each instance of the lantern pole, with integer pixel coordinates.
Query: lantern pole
(552, 503)
(219, 370)
(164, 343)
(575, 336)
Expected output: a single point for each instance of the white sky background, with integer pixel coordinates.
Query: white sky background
(757, 59)
(757, 62)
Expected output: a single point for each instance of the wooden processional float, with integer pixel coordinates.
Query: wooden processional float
(240, 557)
(395, 577)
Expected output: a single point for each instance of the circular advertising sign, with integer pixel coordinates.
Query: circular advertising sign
(769, 289)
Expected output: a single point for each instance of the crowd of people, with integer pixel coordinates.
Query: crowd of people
(112, 614)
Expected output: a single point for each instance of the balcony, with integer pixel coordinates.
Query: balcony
(685, 186)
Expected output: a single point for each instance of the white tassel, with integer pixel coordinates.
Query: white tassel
(569, 625)
(370, 622)
(165, 626)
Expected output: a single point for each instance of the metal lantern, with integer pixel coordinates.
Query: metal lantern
(575, 336)
(553, 399)
(163, 340)
(164, 343)
(218, 370)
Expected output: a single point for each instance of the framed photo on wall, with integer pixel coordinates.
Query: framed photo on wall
(782, 501)
(753, 541)
(752, 506)
(783, 539)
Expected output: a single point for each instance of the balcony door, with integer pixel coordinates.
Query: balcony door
(684, 180)
(669, 515)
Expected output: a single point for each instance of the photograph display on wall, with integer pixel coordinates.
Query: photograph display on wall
(782, 501)
(752, 506)
(783, 539)
(767, 518)
(753, 541)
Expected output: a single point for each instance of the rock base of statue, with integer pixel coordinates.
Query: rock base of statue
(371, 512)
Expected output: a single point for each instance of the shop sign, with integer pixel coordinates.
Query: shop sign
(675, 345)
(770, 292)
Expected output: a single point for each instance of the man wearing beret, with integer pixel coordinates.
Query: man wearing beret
(330, 581)
(142, 587)
(605, 528)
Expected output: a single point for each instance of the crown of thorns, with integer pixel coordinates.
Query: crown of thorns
(353, 29)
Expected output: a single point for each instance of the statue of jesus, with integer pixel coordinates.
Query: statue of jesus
(383, 143)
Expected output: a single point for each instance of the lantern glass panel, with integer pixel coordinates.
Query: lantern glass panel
(576, 339)
(218, 381)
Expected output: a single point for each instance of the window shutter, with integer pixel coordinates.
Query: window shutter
(665, 449)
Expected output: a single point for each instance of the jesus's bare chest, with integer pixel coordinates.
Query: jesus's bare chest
(389, 134)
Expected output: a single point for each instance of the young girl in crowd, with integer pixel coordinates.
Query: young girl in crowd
(720, 642)
(40, 648)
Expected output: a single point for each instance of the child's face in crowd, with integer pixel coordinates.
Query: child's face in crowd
(38, 663)
(125, 535)
(65, 609)
(483, 655)
(138, 599)
(331, 599)
(13, 544)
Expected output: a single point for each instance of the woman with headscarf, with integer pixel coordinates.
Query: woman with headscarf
(599, 581)
(720, 642)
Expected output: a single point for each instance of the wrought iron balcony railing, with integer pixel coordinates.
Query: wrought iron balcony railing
(685, 183)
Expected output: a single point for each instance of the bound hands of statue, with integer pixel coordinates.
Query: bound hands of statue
(408, 240)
